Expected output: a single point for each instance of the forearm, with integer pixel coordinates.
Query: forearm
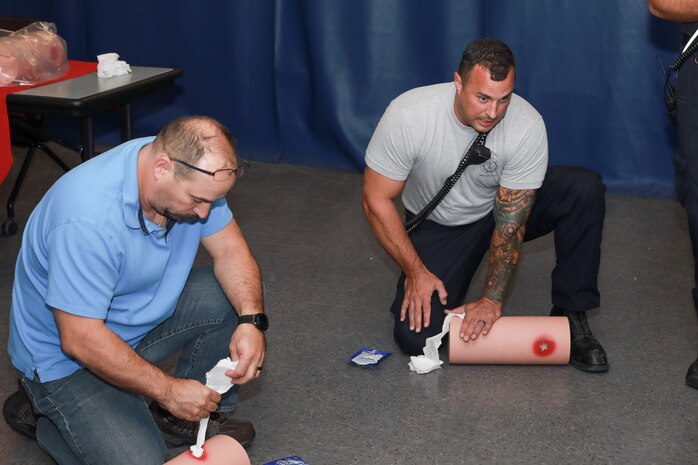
(387, 226)
(420, 284)
(236, 269)
(106, 355)
(511, 210)
(675, 10)
(239, 276)
(501, 262)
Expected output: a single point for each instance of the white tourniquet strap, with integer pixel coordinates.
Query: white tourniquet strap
(423, 364)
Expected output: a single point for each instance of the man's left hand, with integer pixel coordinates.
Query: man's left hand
(479, 317)
(247, 346)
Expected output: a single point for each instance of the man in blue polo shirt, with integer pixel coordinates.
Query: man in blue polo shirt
(104, 288)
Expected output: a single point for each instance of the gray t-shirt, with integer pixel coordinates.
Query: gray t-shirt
(420, 140)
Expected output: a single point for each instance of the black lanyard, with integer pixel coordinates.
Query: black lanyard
(476, 154)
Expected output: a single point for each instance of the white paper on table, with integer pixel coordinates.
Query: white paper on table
(423, 364)
(109, 65)
(219, 382)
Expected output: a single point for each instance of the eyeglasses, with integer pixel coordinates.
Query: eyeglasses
(222, 174)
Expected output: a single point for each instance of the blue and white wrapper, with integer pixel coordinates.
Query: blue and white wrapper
(368, 357)
(293, 460)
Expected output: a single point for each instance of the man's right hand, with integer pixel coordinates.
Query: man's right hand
(420, 285)
(190, 400)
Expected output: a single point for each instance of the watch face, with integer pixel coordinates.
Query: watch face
(261, 321)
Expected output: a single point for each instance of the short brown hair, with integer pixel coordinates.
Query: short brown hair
(492, 54)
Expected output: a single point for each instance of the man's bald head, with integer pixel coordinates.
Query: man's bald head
(191, 137)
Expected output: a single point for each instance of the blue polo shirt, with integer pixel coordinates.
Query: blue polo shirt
(84, 252)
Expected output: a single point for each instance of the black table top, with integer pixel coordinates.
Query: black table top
(89, 94)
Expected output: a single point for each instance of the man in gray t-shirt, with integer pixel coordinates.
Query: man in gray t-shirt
(497, 205)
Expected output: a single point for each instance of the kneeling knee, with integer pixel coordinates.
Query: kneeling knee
(586, 184)
(409, 342)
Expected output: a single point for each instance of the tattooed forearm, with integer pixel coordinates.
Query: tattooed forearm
(511, 210)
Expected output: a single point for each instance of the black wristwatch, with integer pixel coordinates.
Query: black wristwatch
(260, 320)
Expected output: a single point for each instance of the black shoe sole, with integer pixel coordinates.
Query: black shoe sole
(590, 368)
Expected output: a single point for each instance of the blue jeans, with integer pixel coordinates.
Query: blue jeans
(85, 420)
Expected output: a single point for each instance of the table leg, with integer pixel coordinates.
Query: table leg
(88, 141)
(126, 133)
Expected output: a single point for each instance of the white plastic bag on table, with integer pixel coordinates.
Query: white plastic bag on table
(33, 55)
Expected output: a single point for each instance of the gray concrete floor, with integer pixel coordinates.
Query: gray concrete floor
(328, 287)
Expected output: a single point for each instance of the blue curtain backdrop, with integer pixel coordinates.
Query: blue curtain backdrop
(306, 81)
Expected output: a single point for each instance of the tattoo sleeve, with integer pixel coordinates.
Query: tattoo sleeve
(511, 210)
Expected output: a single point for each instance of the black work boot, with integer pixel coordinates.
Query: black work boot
(692, 375)
(178, 432)
(19, 414)
(586, 353)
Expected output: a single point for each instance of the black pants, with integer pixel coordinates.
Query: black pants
(570, 202)
(686, 160)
